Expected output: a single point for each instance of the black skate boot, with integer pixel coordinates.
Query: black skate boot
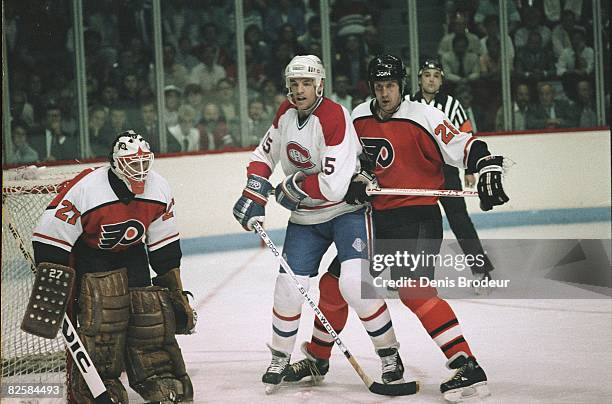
(309, 366)
(276, 371)
(392, 366)
(469, 381)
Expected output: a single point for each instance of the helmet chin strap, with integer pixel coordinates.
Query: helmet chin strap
(388, 114)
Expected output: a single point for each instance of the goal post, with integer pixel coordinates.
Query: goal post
(27, 359)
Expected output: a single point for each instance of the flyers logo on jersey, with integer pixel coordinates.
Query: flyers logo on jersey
(124, 233)
(378, 150)
(299, 156)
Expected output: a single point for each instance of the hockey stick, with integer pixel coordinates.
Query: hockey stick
(71, 338)
(402, 389)
(421, 192)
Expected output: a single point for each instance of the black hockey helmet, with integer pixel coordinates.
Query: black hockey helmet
(431, 64)
(386, 67)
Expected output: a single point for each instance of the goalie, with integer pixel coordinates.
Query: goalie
(102, 231)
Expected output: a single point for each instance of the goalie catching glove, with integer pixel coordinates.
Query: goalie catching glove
(186, 317)
(251, 207)
(48, 300)
(356, 193)
(490, 190)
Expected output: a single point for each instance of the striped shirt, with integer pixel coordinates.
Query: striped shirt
(450, 106)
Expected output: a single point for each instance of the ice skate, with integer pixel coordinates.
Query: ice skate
(469, 381)
(310, 366)
(276, 371)
(392, 366)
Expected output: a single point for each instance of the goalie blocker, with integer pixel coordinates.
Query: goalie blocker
(48, 300)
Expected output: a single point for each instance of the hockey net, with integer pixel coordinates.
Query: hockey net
(26, 359)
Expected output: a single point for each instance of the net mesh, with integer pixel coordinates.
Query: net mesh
(25, 357)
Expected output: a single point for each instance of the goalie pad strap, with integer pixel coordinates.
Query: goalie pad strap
(48, 300)
(155, 365)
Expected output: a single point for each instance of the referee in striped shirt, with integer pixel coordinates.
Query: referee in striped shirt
(431, 76)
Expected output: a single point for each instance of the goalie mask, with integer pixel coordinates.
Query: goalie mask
(309, 66)
(131, 159)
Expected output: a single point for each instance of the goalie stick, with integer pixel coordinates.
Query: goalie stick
(421, 192)
(402, 389)
(71, 338)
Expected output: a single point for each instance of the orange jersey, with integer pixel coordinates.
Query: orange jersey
(410, 149)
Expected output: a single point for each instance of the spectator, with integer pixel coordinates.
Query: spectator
(98, 142)
(490, 62)
(491, 24)
(54, 144)
(459, 25)
(175, 74)
(275, 66)
(465, 97)
(550, 113)
(532, 17)
(313, 33)
(35, 96)
(253, 36)
(491, 7)
(214, 133)
(22, 151)
(21, 110)
(281, 12)
(109, 96)
(129, 97)
(351, 61)
(371, 41)
(286, 34)
(209, 34)
(101, 20)
(534, 62)
(575, 63)
(178, 19)
(173, 100)
(117, 123)
(147, 125)
(185, 136)
(460, 65)
(350, 16)
(259, 122)
(552, 8)
(520, 109)
(195, 99)
(341, 94)
(207, 73)
(562, 32)
(585, 105)
(184, 53)
(269, 90)
(227, 101)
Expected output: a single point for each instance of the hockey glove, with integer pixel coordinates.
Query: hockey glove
(251, 207)
(186, 317)
(361, 181)
(490, 189)
(288, 193)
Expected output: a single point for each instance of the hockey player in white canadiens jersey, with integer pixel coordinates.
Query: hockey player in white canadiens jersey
(315, 142)
(107, 226)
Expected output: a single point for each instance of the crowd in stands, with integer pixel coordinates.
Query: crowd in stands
(551, 51)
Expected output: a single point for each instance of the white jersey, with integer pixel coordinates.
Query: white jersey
(88, 208)
(325, 147)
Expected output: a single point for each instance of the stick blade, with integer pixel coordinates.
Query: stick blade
(401, 389)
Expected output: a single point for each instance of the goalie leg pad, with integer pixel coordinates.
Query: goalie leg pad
(155, 365)
(48, 300)
(103, 322)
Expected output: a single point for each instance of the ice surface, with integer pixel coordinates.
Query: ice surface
(534, 351)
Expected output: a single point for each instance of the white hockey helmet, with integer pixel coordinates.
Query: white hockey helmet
(309, 66)
(131, 159)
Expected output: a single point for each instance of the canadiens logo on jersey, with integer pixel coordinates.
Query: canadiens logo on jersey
(124, 233)
(299, 156)
(380, 150)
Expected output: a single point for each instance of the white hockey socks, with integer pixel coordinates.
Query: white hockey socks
(286, 312)
(373, 312)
